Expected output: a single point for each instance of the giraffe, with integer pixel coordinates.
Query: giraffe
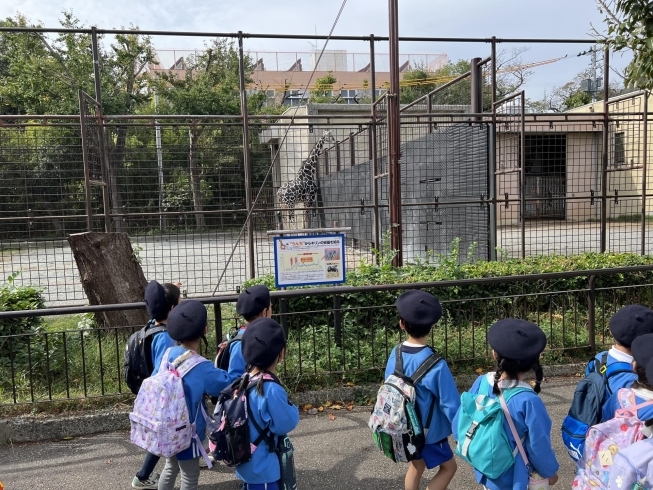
(303, 188)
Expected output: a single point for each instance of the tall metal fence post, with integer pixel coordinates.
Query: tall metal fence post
(492, 163)
(251, 259)
(372, 69)
(394, 137)
(591, 312)
(104, 154)
(522, 163)
(217, 313)
(604, 150)
(644, 173)
(85, 157)
(376, 233)
(477, 89)
(337, 320)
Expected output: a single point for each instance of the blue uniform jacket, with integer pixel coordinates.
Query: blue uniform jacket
(534, 426)
(203, 378)
(617, 381)
(237, 364)
(275, 411)
(436, 389)
(612, 405)
(160, 343)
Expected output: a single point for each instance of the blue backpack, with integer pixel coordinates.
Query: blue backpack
(586, 406)
(483, 441)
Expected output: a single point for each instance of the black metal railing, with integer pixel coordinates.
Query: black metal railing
(337, 334)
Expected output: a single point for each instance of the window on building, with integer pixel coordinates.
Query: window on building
(619, 149)
(349, 96)
(294, 97)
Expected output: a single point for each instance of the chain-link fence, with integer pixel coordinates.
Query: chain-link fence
(198, 194)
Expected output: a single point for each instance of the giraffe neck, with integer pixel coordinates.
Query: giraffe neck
(312, 157)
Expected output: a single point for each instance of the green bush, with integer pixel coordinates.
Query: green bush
(15, 298)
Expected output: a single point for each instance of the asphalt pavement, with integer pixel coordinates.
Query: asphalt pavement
(329, 454)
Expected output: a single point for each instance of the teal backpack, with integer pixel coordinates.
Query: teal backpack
(483, 442)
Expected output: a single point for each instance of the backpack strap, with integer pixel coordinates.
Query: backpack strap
(164, 361)
(515, 435)
(263, 434)
(419, 373)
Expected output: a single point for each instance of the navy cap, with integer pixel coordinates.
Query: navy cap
(630, 322)
(642, 349)
(262, 342)
(155, 299)
(253, 301)
(515, 339)
(649, 372)
(187, 321)
(418, 308)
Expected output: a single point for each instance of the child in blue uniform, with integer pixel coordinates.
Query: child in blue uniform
(642, 350)
(625, 326)
(263, 347)
(159, 301)
(436, 391)
(187, 326)
(253, 303)
(516, 347)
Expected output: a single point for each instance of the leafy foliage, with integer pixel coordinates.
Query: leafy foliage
(16, 298)
(630, 27)
(323, 92)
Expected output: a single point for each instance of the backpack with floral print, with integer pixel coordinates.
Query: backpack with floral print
(605, 440)
(160, 422)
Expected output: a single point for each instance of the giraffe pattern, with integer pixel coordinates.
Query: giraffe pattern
(303, 188)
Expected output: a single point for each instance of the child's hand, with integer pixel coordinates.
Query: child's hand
(553, 480)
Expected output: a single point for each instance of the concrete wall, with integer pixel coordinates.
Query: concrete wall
(450, 164)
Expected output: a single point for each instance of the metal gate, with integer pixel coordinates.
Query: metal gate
(94, 155)
(545, 196)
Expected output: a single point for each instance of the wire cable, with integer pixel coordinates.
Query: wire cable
(283, 139)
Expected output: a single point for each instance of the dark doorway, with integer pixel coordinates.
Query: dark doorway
(546, 175)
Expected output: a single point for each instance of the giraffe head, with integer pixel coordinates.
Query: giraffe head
(327, 137)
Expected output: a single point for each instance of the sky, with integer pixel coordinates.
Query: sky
(561, 19)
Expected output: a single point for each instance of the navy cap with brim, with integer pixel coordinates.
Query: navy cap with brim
(630, 322)
(187, 321)
(253, 301)
(262, 342)
(418, 308)
(155, 299)
(516, 339)
(642, 350)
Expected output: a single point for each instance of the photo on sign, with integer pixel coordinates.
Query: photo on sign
(331, 254)
(332, 270)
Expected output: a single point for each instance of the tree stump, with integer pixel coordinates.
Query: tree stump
(110, 274)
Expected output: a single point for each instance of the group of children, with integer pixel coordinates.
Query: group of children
(516, 347)
(261, 347)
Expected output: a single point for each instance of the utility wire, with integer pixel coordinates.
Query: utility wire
(283, 139)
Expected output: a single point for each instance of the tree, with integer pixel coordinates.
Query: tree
(209, 86)
(43, 76)
(630, 27)
(323, 91)
(511, 75)
(570, 95)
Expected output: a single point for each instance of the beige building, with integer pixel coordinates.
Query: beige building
(287, 77)
(564, 160)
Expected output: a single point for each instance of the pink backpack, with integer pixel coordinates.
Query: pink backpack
(606, 439)
(160, 422)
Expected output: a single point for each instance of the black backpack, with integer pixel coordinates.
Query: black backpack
(232, 439)
(224, 354)
(137, 365)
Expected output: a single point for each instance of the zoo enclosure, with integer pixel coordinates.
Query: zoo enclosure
(193, 191)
